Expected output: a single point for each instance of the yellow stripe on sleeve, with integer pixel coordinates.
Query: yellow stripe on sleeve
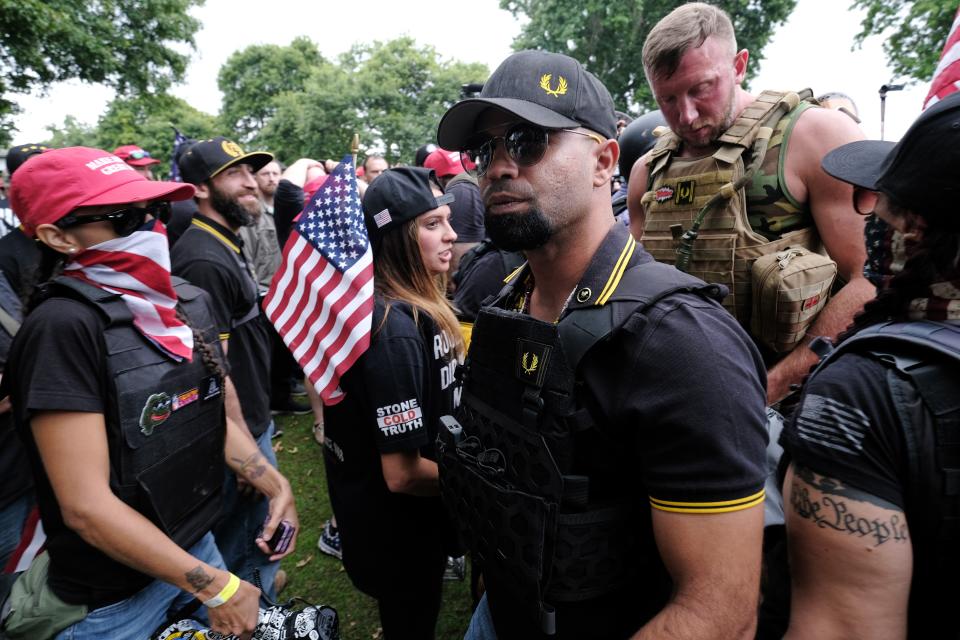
(724, 506)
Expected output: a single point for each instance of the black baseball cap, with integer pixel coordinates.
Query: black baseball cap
(422, 152)
(547, 89)
(398, 195)
(917, 172)
(204, 159)
(18, 154)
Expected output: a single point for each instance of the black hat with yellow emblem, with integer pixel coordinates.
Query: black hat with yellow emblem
(550, 90)
(206, 158)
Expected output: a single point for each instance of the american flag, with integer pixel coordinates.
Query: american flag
(946, 78)
(178, 140)
(321, 298)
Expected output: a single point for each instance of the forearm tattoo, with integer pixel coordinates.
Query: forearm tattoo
(198, 579)
(253, 467)
(837, 509)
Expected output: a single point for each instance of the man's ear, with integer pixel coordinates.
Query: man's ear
(740, 65)
(203, 190)
(60, 240)
(607, 156)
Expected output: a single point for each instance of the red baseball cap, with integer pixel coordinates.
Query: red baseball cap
(135, 156)
(447, 163)
(55, 183)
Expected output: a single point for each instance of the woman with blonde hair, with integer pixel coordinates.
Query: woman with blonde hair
(379, 445)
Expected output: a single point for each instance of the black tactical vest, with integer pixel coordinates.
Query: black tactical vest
(165, 420)
(508, 460)
(924, 362)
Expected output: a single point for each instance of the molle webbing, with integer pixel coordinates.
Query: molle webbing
(726, 245)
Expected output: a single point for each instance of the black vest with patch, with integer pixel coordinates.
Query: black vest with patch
(507, 461)
(924, 382)
(165, 423)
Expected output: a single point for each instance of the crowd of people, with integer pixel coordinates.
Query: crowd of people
(689, 375)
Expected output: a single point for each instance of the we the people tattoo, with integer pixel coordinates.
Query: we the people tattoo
(253, 467)
(834, 511)
(198, 579)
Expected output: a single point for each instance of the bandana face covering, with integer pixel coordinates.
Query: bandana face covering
(887, 252)
(137, 267)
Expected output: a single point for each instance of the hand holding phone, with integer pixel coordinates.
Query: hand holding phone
(282, 537)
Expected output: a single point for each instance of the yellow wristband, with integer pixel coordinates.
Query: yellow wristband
(228, 591)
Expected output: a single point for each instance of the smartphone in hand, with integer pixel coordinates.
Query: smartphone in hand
(282, 537)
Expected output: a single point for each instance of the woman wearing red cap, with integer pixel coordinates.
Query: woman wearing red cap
(118, 393)
(379, 440)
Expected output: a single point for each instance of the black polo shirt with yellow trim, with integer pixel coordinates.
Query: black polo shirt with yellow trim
(210, 256)
(678, 395)
(682, 382)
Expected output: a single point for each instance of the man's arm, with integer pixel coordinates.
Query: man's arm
(714, 561)
(636, 187)
(817, 132)
(851, 561)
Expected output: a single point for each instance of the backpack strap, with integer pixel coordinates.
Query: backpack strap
(110, 304)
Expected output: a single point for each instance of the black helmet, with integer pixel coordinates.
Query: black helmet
(637, 138)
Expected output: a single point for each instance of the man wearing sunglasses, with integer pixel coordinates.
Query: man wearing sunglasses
(141, 161)
(606, 464)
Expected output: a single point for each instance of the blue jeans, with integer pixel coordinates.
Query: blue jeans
(139, 615)
(481, 624)
(242, 520)
(12, 518)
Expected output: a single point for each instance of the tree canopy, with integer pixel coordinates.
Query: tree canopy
(391, 93)
(145, 120)
(915, 32)
(607, 37)
(125, 44)
(252, 78)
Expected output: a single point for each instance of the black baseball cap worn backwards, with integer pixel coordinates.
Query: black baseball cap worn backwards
(399, 195)
(204, 159)
(919, 171)
(550, 90)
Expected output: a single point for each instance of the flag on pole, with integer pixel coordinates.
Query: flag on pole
(178, 140)
(946, 78)
(321, 298)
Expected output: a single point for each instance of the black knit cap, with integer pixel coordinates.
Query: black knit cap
(918, 172)
(547, 89)
(398, 195)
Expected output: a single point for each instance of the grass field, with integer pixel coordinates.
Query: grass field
(319, 578)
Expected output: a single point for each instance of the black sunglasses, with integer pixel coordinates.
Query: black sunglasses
(525, 144)
(124, 221)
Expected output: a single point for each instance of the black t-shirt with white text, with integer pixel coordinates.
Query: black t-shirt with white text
(395, 394)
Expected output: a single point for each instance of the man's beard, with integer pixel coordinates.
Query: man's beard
(518, 231)
(232, 211)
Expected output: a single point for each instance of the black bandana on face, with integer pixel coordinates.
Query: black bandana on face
(232, 211)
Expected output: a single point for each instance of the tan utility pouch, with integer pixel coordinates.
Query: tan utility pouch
(790, 288)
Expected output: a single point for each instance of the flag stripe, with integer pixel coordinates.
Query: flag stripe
(321, 298)
(946, 77)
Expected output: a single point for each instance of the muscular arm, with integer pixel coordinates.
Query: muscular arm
(636, 187)
(714, 561)
(73, 447)
(851, 561)
(409, 472)
(817, 132)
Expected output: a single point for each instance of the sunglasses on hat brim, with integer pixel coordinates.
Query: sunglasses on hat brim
(525, 143)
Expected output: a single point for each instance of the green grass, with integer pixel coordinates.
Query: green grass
(317, 577)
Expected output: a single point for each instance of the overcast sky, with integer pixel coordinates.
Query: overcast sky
(813, 49)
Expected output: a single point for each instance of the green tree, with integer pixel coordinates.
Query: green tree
(607, 37)
(73, 133)
(391, 93)
(144, 120)
(252, 78)
(914, 30)
(403, 91)
(124, 44)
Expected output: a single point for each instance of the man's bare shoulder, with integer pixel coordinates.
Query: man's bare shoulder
(824, 129)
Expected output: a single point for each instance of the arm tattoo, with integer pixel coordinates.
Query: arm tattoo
(837, 509)
(253, 467)
(198, 579)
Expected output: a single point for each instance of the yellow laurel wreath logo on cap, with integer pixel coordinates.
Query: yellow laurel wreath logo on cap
(231, 149)
(561, 85)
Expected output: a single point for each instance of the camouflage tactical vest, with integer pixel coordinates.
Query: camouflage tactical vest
(730, 239)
